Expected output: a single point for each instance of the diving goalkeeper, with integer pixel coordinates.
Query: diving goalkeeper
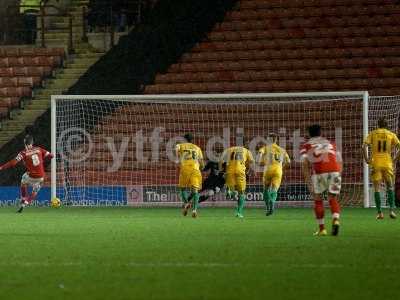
(212, 185)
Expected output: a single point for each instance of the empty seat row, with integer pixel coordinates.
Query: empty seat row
(307, 12)
(25, 61)
(332, 32)
(290, 64)
(388, 91)
(20, 81)
(22, 51)
(312, 22)
(310, 43)
(268, 4)
(290, 54)
(10, 102)
(26, 71)
(15, 92)
(278, 75)
(21, 70)
(273, 86)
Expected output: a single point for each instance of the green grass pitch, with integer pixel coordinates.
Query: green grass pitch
(126, 253)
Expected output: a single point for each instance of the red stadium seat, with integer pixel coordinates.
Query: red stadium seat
(338, 73)
(175, 68)
(232, 36)
(241, 76)
(313, 85)
(258, 45)
(230, 87)
(184, 88)
(10, 52)
(199, 87)
(247, 86)
(263, 86)
(8, 81)
(11, 62)
(10, 102)
(188, 67)
(248, 4)
(226, 56)
(234, 45)
(6, 72)
(168, 88)
(208, 76)
(394, 61)
(246, 55)
(19, 81)
(216, 36)
(151, 89)
(162, 78)
(249, 35)
(15, 92)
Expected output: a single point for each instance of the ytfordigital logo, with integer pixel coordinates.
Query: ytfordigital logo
(76, 145)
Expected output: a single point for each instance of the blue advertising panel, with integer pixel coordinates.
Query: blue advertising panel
(134, 195)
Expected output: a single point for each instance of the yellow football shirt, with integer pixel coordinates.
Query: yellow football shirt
(189, 155)
(381, 142)
(236, 159)
(273, 156)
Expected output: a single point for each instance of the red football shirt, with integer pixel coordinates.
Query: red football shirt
(322, 154)
(33, 159)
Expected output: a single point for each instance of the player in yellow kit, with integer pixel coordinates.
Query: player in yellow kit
(190, 159)
(274, 159)
(238, 160)
(383, 144)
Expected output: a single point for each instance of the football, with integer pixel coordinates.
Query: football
(55, 203)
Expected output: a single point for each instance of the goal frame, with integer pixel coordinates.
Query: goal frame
(172, 98)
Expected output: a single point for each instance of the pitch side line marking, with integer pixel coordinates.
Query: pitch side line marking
(188, 265)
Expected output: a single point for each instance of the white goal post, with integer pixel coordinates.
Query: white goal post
(118, 149)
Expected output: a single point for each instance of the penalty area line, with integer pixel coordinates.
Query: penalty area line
(187, 265)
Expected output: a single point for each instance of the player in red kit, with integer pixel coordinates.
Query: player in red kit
(321, 157)
(33, 158)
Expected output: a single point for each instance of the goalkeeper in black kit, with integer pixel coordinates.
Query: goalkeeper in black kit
(213, 184)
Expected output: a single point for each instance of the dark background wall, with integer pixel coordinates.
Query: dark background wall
(13, 22)
(172, 28)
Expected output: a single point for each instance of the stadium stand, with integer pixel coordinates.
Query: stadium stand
(34, 118)
(22, 70)
(29, 74)
(283, 46)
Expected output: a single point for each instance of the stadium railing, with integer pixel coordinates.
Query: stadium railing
(108, 13)
(14, 35)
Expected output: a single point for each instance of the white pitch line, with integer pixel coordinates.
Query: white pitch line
(190, 265)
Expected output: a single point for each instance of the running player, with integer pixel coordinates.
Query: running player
(238, 160)
(320, 155)
(274, 159)
(382, 143)
(33, 158)
(190, 159)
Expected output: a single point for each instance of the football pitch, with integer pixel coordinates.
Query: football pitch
(127, 253)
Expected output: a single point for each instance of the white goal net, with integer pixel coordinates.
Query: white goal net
(388, 107)
(119, 150)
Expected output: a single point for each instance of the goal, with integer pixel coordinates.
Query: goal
(119, 149)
